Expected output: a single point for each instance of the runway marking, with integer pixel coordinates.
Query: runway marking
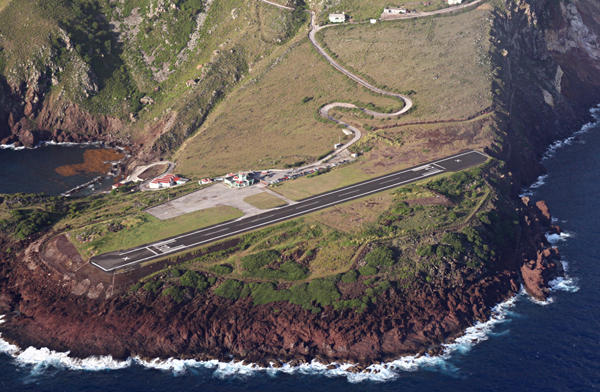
(381, 189)
(344, 194)
(424, 167)
(306, 205)
(162, 243)
(152, 251)
(385, 182)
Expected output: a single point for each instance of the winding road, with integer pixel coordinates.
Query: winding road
(324, 111)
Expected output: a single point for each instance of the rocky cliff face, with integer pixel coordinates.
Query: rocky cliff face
(30, 113)
(548, 58)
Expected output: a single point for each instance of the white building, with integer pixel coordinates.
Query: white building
(337, 18)
(167, 181)
(205, 181)
(453, 2)
(239, 180)
(373, 21)
(396, 11)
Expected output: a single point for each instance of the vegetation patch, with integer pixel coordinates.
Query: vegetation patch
(264, 201)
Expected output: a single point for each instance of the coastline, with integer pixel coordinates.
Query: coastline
(115, 168)
(375, 370)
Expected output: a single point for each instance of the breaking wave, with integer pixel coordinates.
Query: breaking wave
(46, 143)
(551, 151)
(541, 180)
(38, 361)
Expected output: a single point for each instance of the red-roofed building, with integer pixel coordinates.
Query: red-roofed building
(166, 181)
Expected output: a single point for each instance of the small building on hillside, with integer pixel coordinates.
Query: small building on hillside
(239, 180)
(373, 21)
(117, 185)
(205, 181)
(167, 181)
(395, 11)
(337, 18)
(454, 2)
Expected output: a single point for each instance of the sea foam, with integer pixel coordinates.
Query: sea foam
(41, 360)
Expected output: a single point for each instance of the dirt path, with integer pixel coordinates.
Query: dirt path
(324, 112)
(413, 15)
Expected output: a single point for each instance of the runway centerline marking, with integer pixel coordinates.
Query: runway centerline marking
(306, 205)
(344, 194)
(431, 169)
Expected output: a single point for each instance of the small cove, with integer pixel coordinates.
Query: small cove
(55, 169)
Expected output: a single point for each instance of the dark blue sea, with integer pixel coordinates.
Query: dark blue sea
(528, 346)
(34, 170)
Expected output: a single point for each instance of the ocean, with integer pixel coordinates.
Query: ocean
(37, 170)
(527, 346)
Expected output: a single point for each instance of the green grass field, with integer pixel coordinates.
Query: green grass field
(264, 201)
(143, 228)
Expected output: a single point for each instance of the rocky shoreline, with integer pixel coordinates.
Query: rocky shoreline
(41, 311)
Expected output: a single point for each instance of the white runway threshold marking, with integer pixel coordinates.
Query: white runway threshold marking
(152, 251)
(381, 189)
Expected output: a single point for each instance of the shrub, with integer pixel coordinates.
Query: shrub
(135, 287)
(194, 280)
(299, 295)
(229, 289)
(383, 286)
(153, 286)
(380, 256)
(323, 292)
(287, 271)
(175, 292)
(426, 250)
(367, 270)
(259, 260)
(368, 282)
(175, 273)
(221, 269)
(455, 241)
(350, 277)
(265, 293)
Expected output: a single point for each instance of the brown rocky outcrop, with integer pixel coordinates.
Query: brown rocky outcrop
(541, 262)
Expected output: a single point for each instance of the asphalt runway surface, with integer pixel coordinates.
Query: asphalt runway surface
(130, 258)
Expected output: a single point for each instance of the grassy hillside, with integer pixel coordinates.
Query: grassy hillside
(273, 120)
(443, 62)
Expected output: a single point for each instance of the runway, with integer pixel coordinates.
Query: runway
(113, 261)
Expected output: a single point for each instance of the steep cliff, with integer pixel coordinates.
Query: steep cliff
(547, 56)
(547, 76)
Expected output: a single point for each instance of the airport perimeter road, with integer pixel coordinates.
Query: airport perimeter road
(113, 261)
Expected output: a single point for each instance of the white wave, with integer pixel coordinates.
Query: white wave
(550, 152)
(540, 181)
(556, 238)
(595, 112)
(566, 283)
(11, 147)
(47, 143)
(39, 360)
